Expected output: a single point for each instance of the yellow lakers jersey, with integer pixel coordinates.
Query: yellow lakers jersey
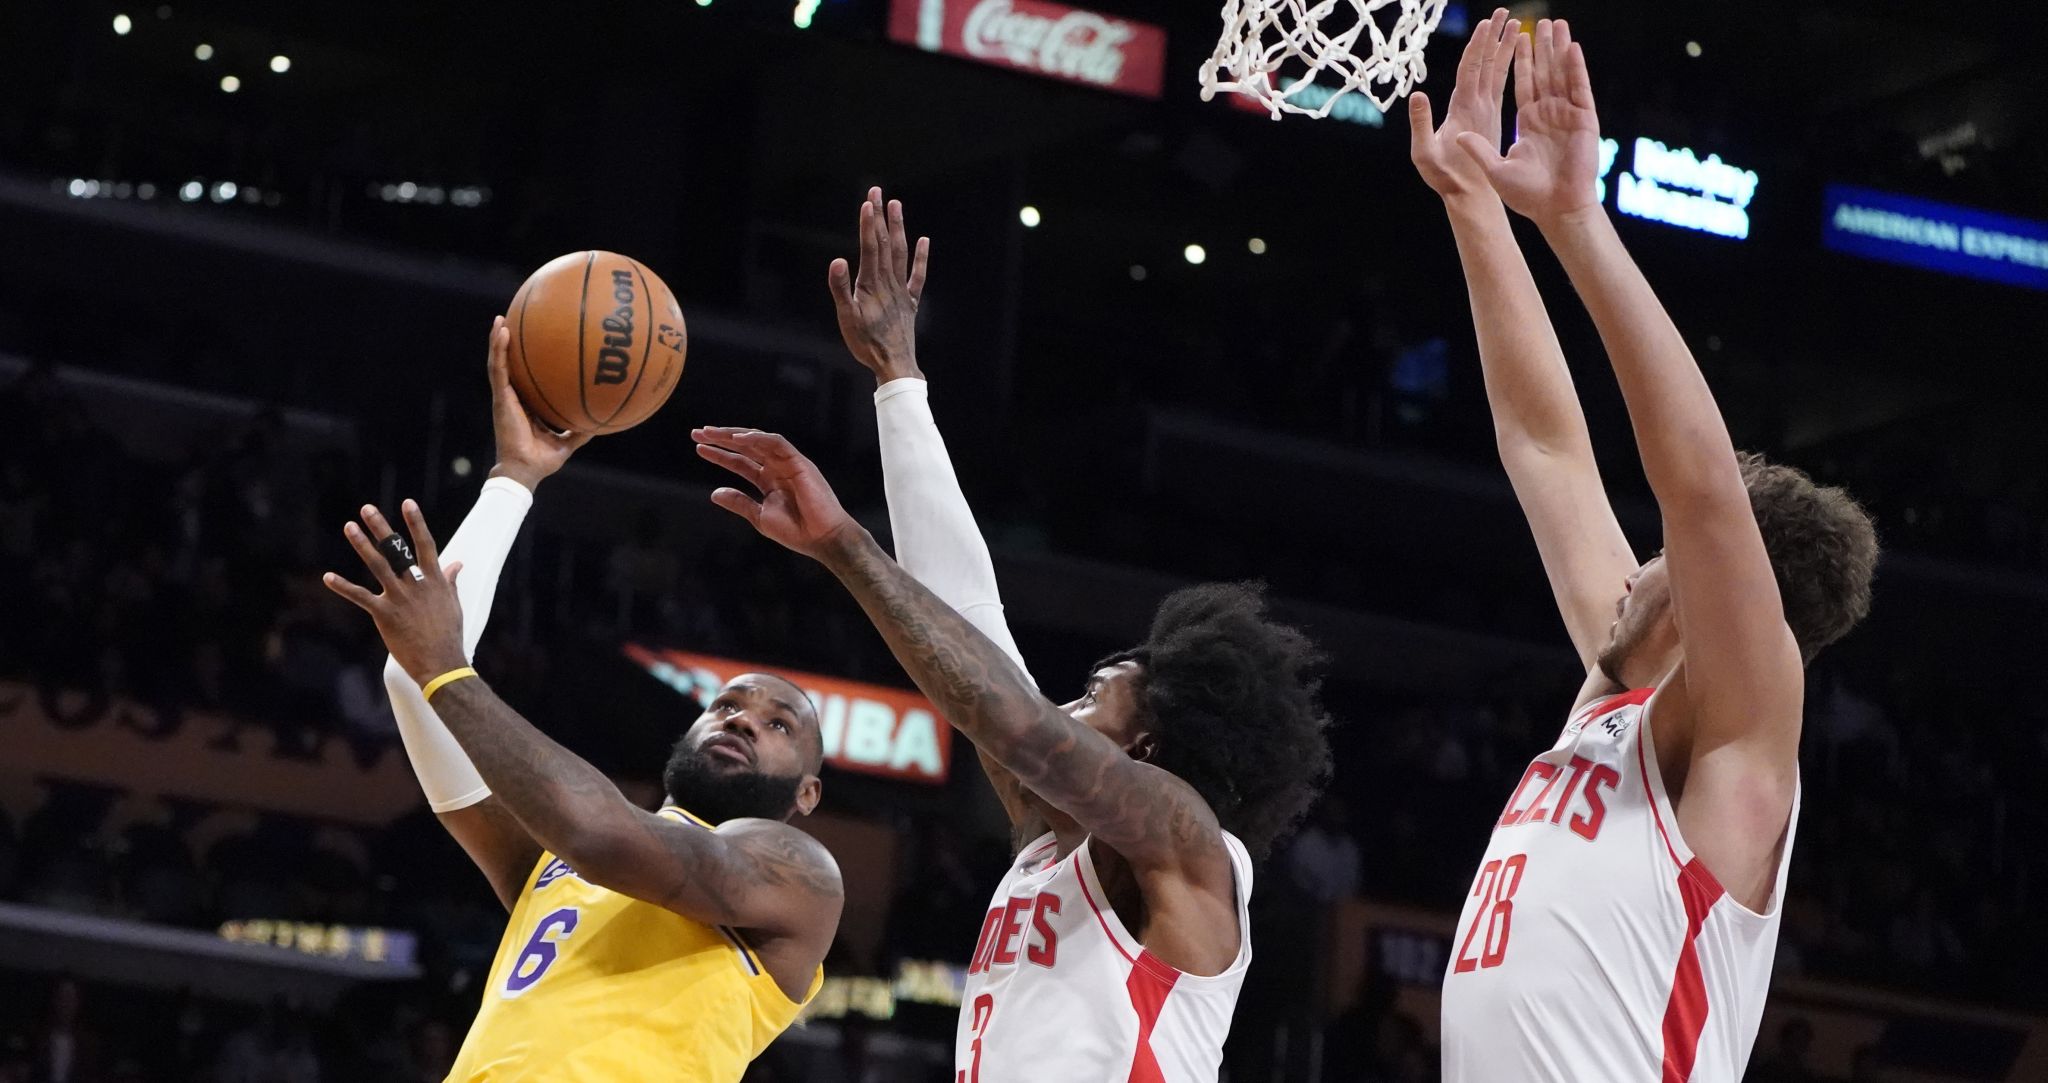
(591, 985)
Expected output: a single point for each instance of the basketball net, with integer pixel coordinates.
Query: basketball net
(1260, 35)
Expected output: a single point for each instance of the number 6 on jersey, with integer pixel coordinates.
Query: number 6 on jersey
(541, 950)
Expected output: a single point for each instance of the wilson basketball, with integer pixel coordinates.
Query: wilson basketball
(597, 342)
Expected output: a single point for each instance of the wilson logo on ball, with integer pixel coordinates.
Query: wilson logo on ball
(613, 360)
(584, 331)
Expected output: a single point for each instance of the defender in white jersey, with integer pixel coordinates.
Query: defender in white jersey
(1115, 948)
(1622, 923)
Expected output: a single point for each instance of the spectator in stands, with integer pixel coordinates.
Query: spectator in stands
(1323, 858)
(63, 1048)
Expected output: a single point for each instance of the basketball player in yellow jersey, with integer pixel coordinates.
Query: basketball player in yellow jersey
(668, 946)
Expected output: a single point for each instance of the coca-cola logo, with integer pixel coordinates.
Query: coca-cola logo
(1077, 45)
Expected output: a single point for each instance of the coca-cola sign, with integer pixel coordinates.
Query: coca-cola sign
(1039, 37)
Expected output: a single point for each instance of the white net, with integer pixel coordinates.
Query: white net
(1343, 38)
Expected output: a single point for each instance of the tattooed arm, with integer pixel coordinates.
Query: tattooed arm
(1149, 816)
(749, 874)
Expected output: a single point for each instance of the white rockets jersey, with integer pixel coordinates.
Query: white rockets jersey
(1594, 947)
(1058, 989)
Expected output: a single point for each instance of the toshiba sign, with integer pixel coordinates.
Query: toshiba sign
(1039, 37)
(867, 727)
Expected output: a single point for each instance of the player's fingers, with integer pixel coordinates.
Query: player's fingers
(739, 504)
(1578, 81)
(867, 238)
(899, 239)
(724, 436)
(918, 267)
(878, 232)
(380, 569)
(1503, 55)
(733, 461)
(1525, 70)
(1486, 41)
(363, 599)
(1472, 57)
(839, 279)
(768, 447)
(1539, 69)
(1554, 82)
(452, 572)
(1421, 124)
(422, 539)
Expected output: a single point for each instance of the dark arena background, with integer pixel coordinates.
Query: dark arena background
(249, 253)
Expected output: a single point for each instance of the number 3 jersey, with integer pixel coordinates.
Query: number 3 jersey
(591, 985)
(1594, 947)
(1058, 989)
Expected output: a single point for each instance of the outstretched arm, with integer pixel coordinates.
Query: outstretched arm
(1538, 425)
(527, 454)
(749, 874)
(937, 540)
(1742, 671)
(1153, 819)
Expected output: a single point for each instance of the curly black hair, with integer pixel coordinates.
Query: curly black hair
(1231, 698)
(1823, 549)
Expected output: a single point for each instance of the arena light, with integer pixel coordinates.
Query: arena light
(1030, 217)
(202, 52)
(123, 24)
(77, 188)
(145, 190)
(461, 466)
(191, 191)
(1139, 273)
(1196, 254)
(1257, 245)
(1692, 49)
(280, 63)
(806, 10)
(229, 84)
(225, 191)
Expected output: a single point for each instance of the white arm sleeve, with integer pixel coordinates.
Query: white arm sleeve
(482, 543)
(937, 541)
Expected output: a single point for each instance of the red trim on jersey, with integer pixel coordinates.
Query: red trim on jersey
(1081, 875)
(1150, 982)
(1624, 699)
(1685, 1013)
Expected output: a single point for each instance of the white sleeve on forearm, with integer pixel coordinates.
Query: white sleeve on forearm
(937, 541)
(482, 543)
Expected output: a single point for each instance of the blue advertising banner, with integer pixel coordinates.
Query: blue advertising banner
(1937, 236)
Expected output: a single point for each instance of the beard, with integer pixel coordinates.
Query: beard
(718, 795)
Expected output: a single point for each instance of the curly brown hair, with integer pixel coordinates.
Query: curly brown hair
(1237, 706)
(1823, 549)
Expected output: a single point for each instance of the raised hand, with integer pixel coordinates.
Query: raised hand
(797, 509)
(528, 451)
(417, 613)
(1475, 107)
(1553, 168)
(878, 309)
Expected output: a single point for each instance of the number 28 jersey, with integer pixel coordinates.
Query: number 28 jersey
(1593, 946)
(591, 986)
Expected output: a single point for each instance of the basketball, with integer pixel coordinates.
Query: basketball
(597, 342)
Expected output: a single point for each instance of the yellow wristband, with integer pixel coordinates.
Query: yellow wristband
(427, 690)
